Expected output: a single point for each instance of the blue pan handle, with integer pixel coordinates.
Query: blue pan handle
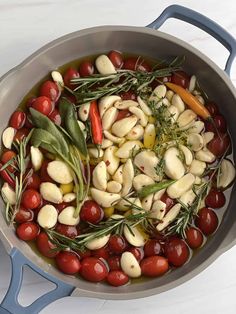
(202, 22)
(10, 304)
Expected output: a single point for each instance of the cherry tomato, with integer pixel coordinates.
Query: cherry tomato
(116, 58)
(21, 134)
(123, 114)
(154, 266)
(17, 119)
(28, 122)
(194, 237)
(138, 253)
(219, 144)
(50, 90)
(33, 181)
(152, 247)
(43, 104)
(7, 178)
(215, 198)
(84, 254)
(55, 117)
(68, 262)
(30, 102)
(117, 244)
(69, 75)
(68, 231)
(136, 64)
(117, 278)
(218, 124)
(24, 215)
(177, 252)
(130, 95)
(114, 262)
(180, 78)
(45, 246)
(6, 157)
(31, 199)
(27, 231)
(91, 212)
(103, 252)
(168, 201)
(44, 176)
(61, 206)
(86, 68)
(207, 221)
(93, 269)
(212, 108)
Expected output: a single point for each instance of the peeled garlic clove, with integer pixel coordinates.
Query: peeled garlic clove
(106, 143)
(111, 160)
(196, 127)
(104, 199)
(197, 167)
(135, 239)
(227, 174)
(57, 78)
(195, 141)
(200, 99)
(51, 192)
(69, 197)
(99, 176)
(114, 187)
(36, 157)
(147, 162)
(192, 83)
(142, 118)
(124, 205)
(128, 175)
(144, 106)
(147, 202)
(8, 137)
(182, 185)
(188, 197)
(126, 149)
(97, 243)
(159, 194)
(142, 180)
(112, 138)
(149, 136)
(47, 216)
(9, 194)
(186, 117)
(205, 155)
(169, 95)
(125, 104)
(169, 217)
(107, 102)
(172, 112)
(122, 127)
(95, 153)
(60, 172)
(173, 167)
(83, 111)
(158, 93)
(188, 156)
(109, 118)
(207, 137)
(118, 175)
(104, 65)
(177, 102)
(66, 216)
(130, 265)
(136, 133)
(158, 210)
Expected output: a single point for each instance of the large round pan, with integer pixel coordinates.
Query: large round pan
(139, 40)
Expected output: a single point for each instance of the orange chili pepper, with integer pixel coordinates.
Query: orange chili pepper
(190, 100)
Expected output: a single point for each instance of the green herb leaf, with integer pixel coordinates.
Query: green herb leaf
(45, 140)
(152, 188)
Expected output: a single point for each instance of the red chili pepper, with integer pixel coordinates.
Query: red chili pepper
(96, 123)
(7, 178)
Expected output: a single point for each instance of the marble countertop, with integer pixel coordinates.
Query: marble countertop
(26, 25)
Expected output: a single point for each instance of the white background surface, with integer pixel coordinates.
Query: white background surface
(27, 25)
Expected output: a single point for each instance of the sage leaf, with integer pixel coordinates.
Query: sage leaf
(45, 140)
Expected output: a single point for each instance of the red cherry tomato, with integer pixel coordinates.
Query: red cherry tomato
(177, 252)
(116, 58)
(55, 117)
(27, 231)
(84, 254)
(6, 157)
(117, 244)
(31, 199)
(50, 90)
(68, 231)
(30, 101)
(93, 269)
(180, 78)
(7, 178)
(123, 114)
(154, 266)
(24, 215)
(91, 212)
(117, 278)
(45, 246)
(103, 252)
(138, 253)
(194, 237)
(20, 134)
(207, 221)
(215, 198)
(69, 75)
(33, 181)
(44, 176)
(43, 104)
(114, 262)
(17, 119)
(136, 64)
(152, 247)
(61, 206)
(168, 201)
(28, 123)
(219, 144)
(86, 68)
(212, 108)
(130, 95)
(68, 262)
(219, 124)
